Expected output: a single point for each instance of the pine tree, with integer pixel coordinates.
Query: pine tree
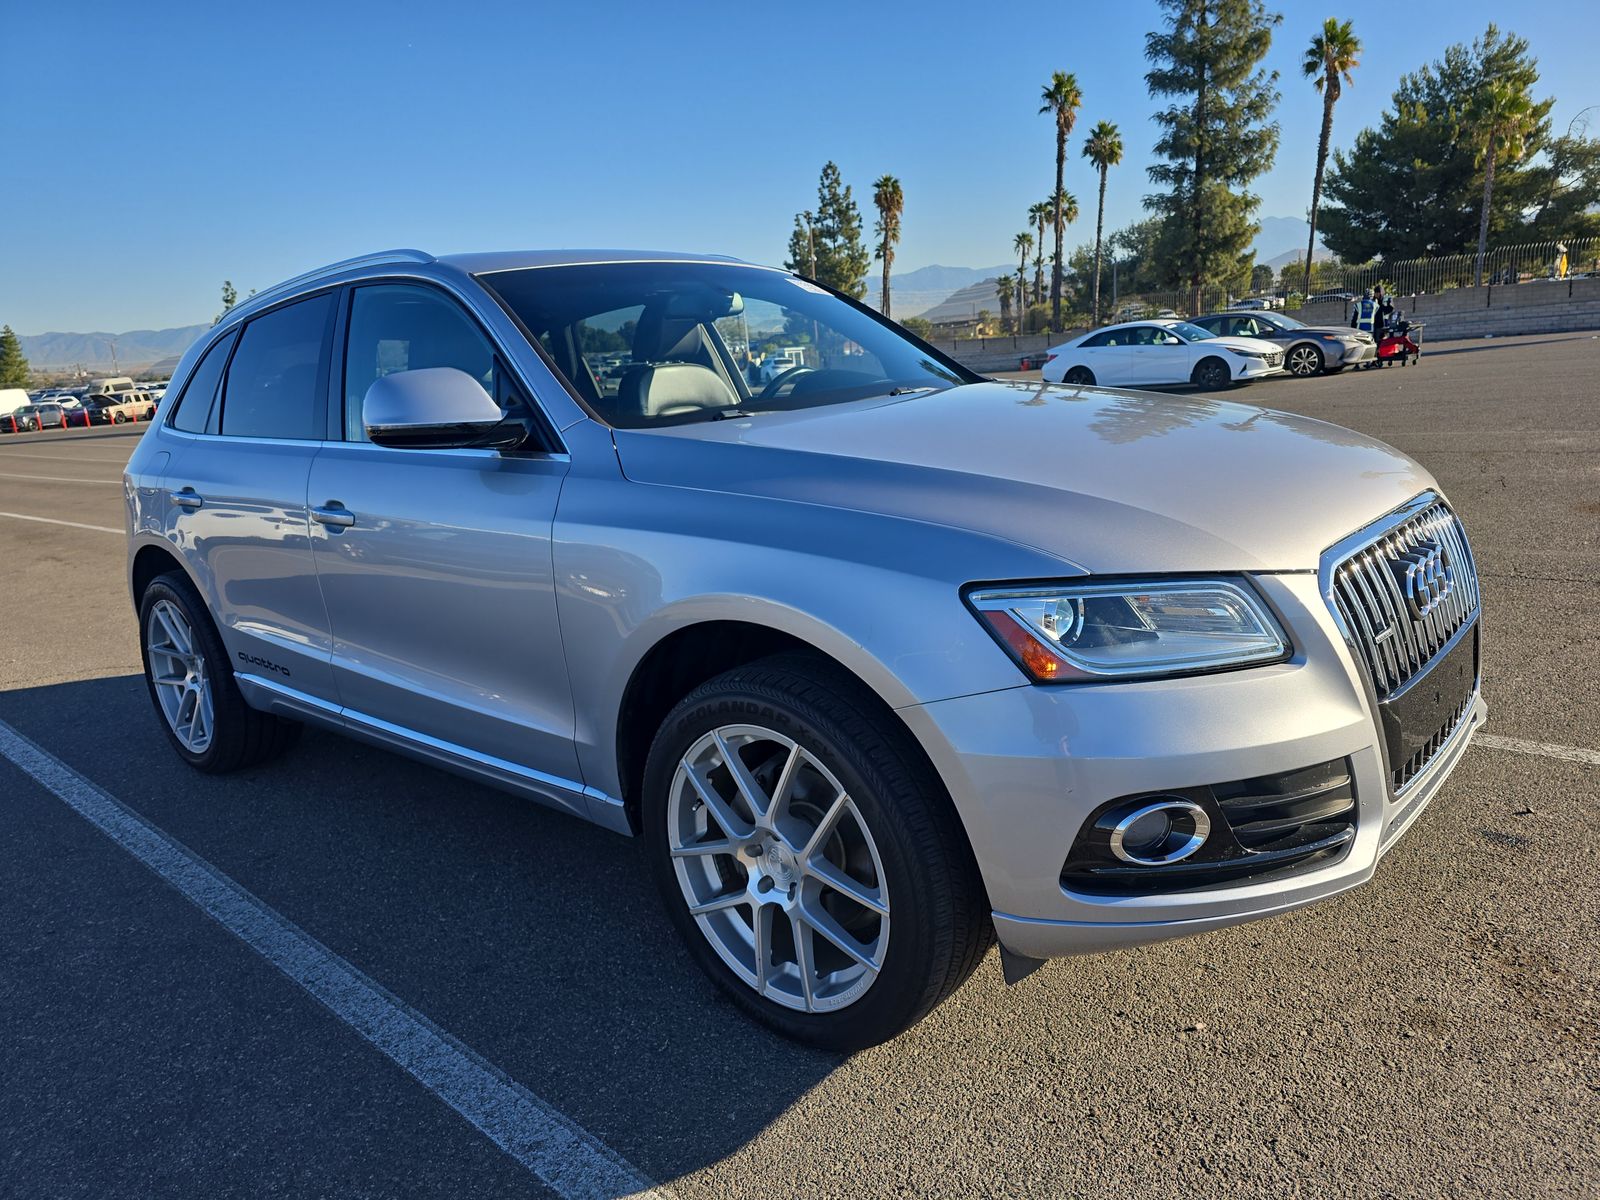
(14, 371)
(828, 246)
(1414, 184)
(1217, 134)
(230, 297)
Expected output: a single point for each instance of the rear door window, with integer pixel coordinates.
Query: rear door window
(274, 383)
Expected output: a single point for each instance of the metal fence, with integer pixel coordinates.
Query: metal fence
(1333, 282)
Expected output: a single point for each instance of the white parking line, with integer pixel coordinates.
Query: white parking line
(59, 521)
(563, 1155)
(60, 479)
(24, 454)
(1542, 749)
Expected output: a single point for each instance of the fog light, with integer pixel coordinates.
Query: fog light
(1160, 832)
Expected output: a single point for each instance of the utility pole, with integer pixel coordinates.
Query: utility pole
(811, 243)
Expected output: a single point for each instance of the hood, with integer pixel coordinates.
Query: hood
(1106, 481)
(1257, 345)
(1341, 330)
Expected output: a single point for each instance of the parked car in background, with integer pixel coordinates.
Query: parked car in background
(1331, 302)
(115, 410)
(1307, 349)
(880, 660)
(114, 385)
(32, 417)
(12, 399)
(1149, 353)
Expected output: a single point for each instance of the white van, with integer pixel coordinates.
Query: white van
(111, 387)
(12, 399)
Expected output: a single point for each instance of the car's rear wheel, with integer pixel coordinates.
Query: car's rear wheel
(1305, 361)
(1081, 376)
(192, 687)
(808, 855)
(1211, 374)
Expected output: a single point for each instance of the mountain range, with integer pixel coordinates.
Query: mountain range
(1281, 241)
(125, 353)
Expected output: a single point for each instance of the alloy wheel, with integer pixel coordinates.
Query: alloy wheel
(1305, 361)
(778, 868)
(178, 670)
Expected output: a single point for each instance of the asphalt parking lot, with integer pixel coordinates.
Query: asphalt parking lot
(1434, 1033)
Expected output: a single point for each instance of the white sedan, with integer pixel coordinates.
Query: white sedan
(1143, 353)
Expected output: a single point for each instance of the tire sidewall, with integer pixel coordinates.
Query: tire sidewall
(899, 987)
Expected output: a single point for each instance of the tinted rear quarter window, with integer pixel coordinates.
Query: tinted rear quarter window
(275, 379)
(194, 405)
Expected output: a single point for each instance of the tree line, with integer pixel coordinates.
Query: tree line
(1465, 152)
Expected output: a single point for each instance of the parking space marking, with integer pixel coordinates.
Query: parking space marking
(59, 521)
(1542, 749)
(26, 454)
(60, 479)
(562, 1154)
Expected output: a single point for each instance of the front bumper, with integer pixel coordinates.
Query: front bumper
(1258, 368)
(1358, 352)
(1027, 766)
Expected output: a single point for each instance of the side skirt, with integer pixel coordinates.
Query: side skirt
(567, 795)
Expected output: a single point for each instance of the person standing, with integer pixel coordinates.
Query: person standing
(1366, 312)
(1383, 310)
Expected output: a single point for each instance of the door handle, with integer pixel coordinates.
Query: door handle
(334, 515)
(188, 498)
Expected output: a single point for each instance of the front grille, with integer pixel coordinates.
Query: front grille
(1406, 597)
(1275, 360)
(1393, 640)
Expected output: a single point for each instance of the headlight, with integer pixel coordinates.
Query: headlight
(1242, 353)
(1088, 631)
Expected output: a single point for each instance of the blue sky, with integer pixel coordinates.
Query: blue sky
(152, 150)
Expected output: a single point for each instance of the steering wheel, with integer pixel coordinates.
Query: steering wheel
(771, 390)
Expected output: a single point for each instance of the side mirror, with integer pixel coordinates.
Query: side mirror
(434, 408)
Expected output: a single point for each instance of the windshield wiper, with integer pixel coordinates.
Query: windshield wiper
(911, 391)
(731, 414)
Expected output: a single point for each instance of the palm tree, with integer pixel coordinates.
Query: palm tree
(1067, 203)
(1330, 58)
(1104, 151)
(1501, 118)
(1063, 98)
(891, 202)
(1040, 215)
(1004, 288)
(1022, 243)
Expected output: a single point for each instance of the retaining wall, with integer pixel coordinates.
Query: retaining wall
(1001, 353)
(1563, 306)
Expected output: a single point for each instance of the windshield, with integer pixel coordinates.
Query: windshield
(1190, 333)
(656, 343)
(1283, 322)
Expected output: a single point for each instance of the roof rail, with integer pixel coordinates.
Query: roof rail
(379, 258)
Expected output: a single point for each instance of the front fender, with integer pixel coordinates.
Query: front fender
(635, 563)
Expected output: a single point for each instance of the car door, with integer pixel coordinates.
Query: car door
(1105, 355)
(1151, 359)
(436, 565)
(237, 490)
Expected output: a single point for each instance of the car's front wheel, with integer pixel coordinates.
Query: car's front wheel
(808, 855)
(1305, 361)
(1081, 376)
(192, 686)
(1211, 375)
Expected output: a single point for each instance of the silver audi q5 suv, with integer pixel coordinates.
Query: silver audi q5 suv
(884, 661)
